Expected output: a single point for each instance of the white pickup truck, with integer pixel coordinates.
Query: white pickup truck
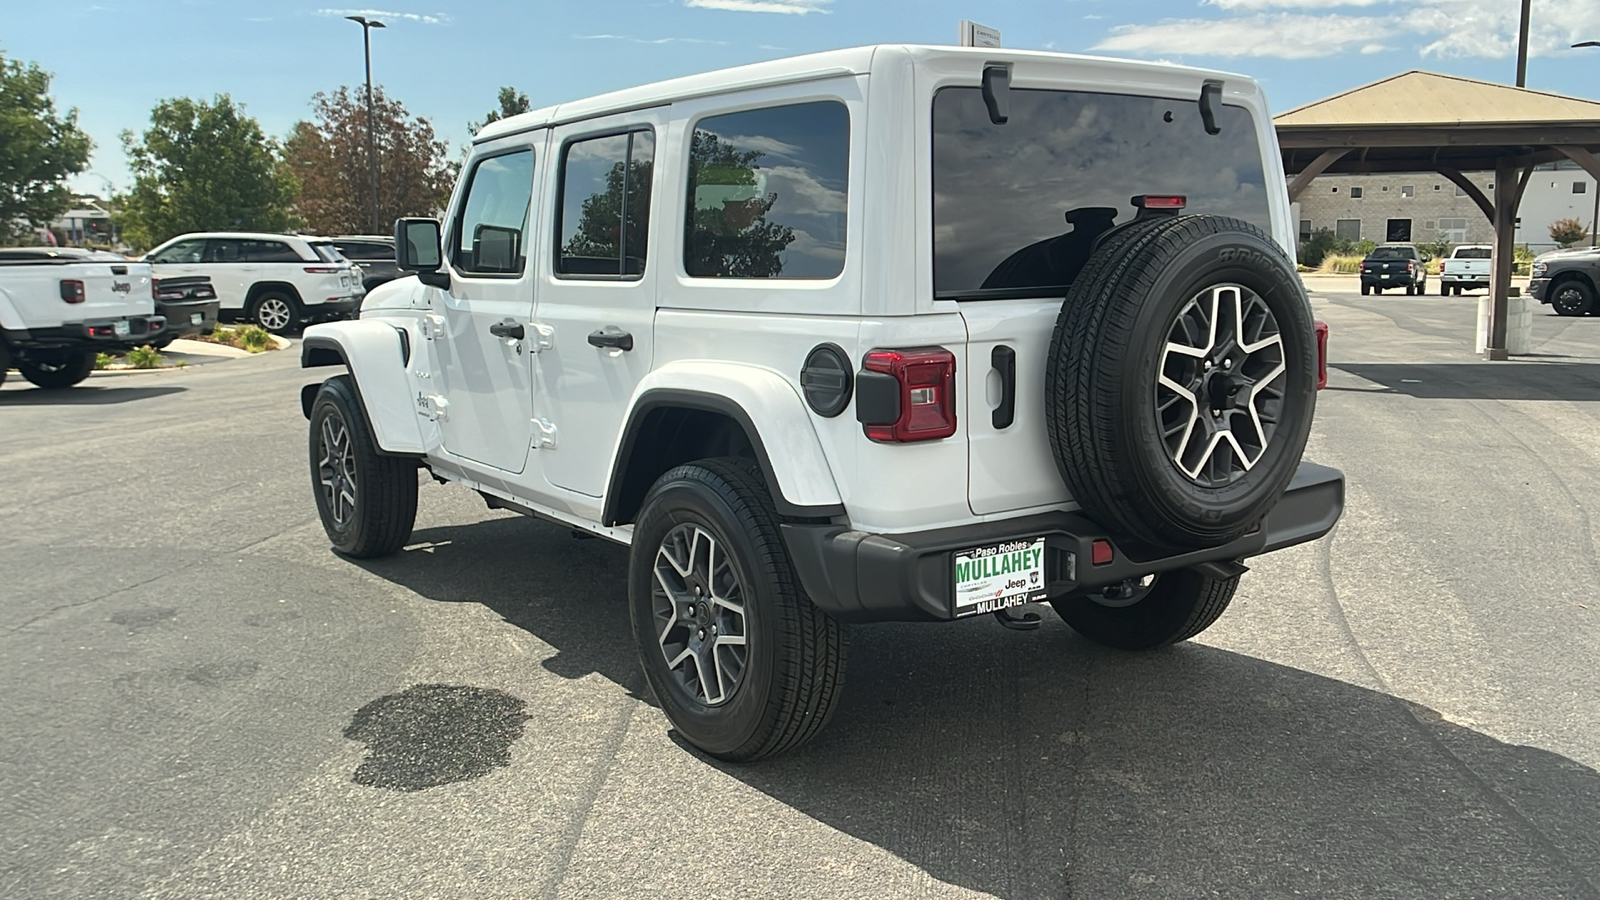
(1466, 268)
(59, 307)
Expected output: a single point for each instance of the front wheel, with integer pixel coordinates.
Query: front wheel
(367, 501)
(1572, 298)
(57, 369)
(742, 663)
(1141, 614)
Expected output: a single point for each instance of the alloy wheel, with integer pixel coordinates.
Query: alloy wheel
(336, 470)
(698, 605)
(274, 314)
(1220, 385)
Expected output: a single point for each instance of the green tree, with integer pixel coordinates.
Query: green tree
(512, 102)
(729, 235)
(39, 150)
(1567, 232)
(328, 158)
(204, 167)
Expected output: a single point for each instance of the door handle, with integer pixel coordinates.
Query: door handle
(611, 338)
(1004, 360)
(507, 328)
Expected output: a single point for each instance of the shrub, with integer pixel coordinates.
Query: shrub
(103, 360)
(1321, 243)
(1363, 248)
(252, 337)
(1567, 232)
(1341, 264)
(146, 357)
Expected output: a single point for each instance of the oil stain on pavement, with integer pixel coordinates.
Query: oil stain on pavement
(434, 734)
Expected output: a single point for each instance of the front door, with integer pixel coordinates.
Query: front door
(486, 367)
(598, 300)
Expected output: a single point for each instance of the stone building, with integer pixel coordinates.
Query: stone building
(1426, 207)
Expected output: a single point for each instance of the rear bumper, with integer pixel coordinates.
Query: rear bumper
(332, 310)
(1376, 279)
(859, 577)
(94, 333)
(180, 316)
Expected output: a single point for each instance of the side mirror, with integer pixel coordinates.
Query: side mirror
(417, 248)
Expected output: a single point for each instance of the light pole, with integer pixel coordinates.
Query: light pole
(372, 157)
(1594, 223)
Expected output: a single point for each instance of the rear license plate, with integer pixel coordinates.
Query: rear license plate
(344, 280)
(197, 318)
(120, 329)
(1385, 275)
(999, 576)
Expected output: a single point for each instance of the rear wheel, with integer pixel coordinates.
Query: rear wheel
(5, 362)
(275, 311)
(741, 661)
(1366, 289)
(1151, 612)
(1571, 298)
(56, 369)
(367, 501)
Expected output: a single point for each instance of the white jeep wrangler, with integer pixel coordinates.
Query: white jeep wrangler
(890, 333)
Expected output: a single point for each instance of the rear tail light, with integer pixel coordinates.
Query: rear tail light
(322, 270)
(72, 290)
(1322, 355)
(907, 395)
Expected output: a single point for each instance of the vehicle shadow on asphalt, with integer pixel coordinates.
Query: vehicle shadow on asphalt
(84, 396)
(1480, 380)
(570, 593)
(1040, 765)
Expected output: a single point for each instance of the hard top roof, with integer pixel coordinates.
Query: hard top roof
(831, 63)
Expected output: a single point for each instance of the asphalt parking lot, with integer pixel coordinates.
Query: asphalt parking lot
(201, 700)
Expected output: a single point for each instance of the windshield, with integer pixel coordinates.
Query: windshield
(1474, 253)
(1016, 207)
(1393, 253)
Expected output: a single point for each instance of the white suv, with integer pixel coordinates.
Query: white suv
(891, 333)
(277, 281)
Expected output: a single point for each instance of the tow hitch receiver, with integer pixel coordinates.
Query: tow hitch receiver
(1028, 621)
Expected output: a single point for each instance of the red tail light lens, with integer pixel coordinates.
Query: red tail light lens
(72, 290)
(925, 380)
(1322, 355)
(1161, 201)
(322, 270)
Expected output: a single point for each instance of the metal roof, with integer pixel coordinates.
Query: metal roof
(1427, 98)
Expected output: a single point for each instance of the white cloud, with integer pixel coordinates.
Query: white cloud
(1441, 28)
(1283, 35)
(634, 40)
(381, 14)
(791, 7)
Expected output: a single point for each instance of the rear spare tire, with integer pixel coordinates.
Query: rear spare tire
(1181, 381)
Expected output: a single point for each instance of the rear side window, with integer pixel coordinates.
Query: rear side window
(768, 193)
(225, 250)
(605, 205)
(493, 223)
(327, 253)
(1017, 207)
(270, 251)
(182, 252)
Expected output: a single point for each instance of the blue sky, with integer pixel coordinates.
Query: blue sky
(114, 59)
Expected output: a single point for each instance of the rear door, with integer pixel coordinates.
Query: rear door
(1017, 207)
(230, 271)
(598, 298)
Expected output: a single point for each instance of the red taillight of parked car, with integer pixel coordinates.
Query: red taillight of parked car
(1322, 354)
(322, 270)
(925, 379)
(72, 290)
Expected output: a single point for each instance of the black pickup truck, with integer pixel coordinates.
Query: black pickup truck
(1394, 266)
(1567, 279)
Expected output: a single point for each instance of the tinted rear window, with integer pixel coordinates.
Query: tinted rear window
(1393, 253)
(1016, 206)
(1474, 253)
